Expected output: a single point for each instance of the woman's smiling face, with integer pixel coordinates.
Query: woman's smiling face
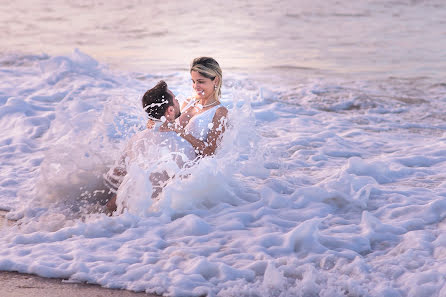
(203, 86)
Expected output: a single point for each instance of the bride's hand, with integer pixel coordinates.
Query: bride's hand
(172, 127)
(164, 128)
(150, 124)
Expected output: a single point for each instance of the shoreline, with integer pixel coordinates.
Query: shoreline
(3, 220)
(15, 284)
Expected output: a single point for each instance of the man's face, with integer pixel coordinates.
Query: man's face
(176, 105)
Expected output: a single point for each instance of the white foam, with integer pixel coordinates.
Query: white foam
(319, 193)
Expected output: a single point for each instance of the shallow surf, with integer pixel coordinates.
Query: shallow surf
(330, 181)
(332, 187)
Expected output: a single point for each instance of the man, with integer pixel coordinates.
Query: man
(163, 153)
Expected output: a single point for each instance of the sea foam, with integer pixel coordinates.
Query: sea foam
(322, 189)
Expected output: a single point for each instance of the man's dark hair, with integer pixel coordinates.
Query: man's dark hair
(156, 100)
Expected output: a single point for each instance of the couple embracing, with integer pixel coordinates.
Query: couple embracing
(175, 135)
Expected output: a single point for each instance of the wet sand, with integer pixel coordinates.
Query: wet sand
(3, 220)
(13, 284)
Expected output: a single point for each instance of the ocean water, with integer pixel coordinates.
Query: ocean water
(330, 180)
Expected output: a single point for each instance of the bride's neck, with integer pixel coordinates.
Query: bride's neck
(208, 100)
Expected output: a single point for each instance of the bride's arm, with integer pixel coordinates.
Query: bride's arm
(208, 146)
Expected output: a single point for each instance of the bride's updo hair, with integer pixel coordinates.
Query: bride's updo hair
(209, 68)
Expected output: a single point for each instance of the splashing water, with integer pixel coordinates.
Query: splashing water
(328, 187)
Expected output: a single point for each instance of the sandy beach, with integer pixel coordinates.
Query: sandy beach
(15, 284)
(3, 220)
(22, 285)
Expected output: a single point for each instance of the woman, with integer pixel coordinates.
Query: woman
(203, 119)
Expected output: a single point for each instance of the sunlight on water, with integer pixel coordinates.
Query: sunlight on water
(400, 38)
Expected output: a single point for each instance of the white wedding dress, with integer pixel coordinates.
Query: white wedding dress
(200, 124)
